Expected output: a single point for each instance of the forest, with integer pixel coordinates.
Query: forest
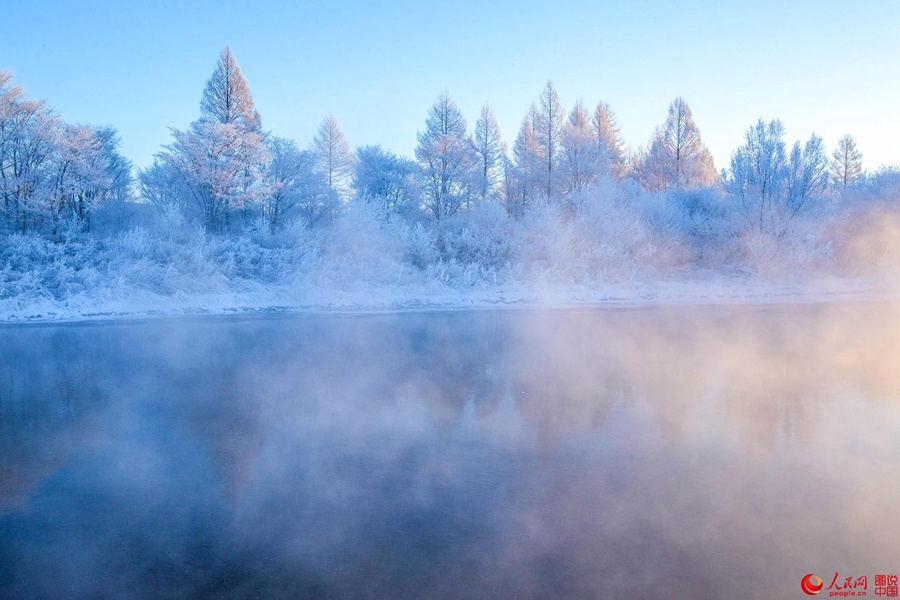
(230, 214)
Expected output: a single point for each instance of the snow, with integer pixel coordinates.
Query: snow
(737, 291)
(230, 219)
(611, 250)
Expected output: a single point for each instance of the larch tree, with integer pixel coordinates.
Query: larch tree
(677, 157)
(609, 138)
(529, 163)
(226, 97)
(333, 156)
(581, 157)
(490, 152)
(548, 132)
(222, 157)
(445, 158)
(846, 164)
(222, 168)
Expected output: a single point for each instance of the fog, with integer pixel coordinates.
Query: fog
(696, 452)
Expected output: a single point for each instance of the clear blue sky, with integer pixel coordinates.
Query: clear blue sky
(824, 66)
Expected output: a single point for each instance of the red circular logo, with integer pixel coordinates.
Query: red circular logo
(811, 584)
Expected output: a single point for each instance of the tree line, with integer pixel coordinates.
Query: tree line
(226, 172)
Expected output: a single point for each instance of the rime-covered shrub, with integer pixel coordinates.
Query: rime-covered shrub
(607, 233)
(33, 267)
(359, 249)
(542, 243)
(480, 238)
(419, 245)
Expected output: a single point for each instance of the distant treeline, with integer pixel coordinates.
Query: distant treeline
(227, 173)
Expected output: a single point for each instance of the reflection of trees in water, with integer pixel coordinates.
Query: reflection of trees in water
(566, 372)
(48, 393)
(767, 368)
(452, 360)
(374, 444)
(784, 364)
(773, 382)
(233, 437)
(574, 367)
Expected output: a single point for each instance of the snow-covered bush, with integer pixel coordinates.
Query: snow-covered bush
(608, 232)
(419, 245)
(33, 267)
(479, 238)
(542, 243)
(359, 249)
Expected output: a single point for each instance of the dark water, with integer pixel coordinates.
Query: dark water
(653, 453)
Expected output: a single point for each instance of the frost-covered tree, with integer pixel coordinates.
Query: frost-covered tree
(27, 130)
(80, 179)
(609, 138)
(445, 158)
(293, 186)
(385, 178)
(807, 173)
(583, 159)
(162, 185)
(846, 165)
(51, 170)
(118, 168)
(28, 135)
(226, 97)
(333, 156)
(316, 202)
(285, 173)
(222, 167)
(548, 124)
(529, 164)
(771, 186)
(509, 185)
(677, 157)
(758, 174)
(117, 198)
(490, 152)
(221, 158)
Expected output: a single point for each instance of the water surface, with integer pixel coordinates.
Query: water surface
(702, 452)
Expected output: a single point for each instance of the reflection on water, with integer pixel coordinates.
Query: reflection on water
(679, 452)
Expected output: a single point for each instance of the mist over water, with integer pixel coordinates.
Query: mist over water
(702, 452)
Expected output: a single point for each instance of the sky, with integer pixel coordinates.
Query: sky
(820, 66)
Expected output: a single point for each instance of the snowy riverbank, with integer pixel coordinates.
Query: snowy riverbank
(734, 291)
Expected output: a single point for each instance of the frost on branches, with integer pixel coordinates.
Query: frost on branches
(227, 208)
